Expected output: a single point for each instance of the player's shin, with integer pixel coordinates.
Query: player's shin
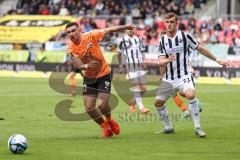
(163, 113)
(138, 98)
(95, 115)
(193, 106)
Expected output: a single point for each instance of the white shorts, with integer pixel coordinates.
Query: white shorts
(137, 77)
(168, 88)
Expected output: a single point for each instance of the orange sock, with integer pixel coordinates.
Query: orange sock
(104, 125)
(180, 103)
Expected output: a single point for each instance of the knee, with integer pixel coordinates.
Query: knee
(143, 88)
(89, 108)
(159, 103)
(190, 95)
(103, 105)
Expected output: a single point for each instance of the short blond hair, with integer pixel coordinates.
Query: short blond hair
(170, 15)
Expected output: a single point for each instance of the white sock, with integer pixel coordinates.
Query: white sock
(193, 106)
(138, 98)
(163, 113)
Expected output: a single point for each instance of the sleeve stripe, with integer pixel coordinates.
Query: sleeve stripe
(191, 39)
(120, 45)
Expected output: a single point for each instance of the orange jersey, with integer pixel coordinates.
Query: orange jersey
(89, 50)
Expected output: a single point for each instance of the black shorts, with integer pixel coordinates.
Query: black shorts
(97, 85)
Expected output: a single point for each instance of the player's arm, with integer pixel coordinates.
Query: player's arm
(196, 46)
(77, 63)
(162, 70)
(119, 58)
(119, 51)
(121, 68)
(144, 64)
(118, 28)
(208, 54)
(143, 50)
(163, 60)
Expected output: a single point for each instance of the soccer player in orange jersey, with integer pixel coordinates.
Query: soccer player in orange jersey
(88, 56)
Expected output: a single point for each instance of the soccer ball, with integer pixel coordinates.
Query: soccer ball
(17, 144)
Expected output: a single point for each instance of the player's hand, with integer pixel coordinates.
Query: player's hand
(93, 64)
(129, 27)
(223, 63)
(171, 58)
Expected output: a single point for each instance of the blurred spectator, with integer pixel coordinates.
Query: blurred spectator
(189, 8)
(181, 25)
(44, 9)
(234, 26)
(42, 56)
(63, 11)
(99, 7)
(31, 55)
(236, 41)
(217, 26)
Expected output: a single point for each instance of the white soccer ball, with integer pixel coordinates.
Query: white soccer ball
(17, 144)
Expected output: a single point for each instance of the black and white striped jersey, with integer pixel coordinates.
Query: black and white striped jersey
(132, 48)
(179, 46)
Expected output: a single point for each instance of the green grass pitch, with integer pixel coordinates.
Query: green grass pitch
(28, 108)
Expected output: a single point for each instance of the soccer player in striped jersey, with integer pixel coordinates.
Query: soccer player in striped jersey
(176, 98)
(173, 55)
(130, 49)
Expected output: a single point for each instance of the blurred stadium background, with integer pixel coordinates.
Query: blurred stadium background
(32, 38)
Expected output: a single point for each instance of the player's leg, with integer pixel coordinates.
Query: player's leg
(135, 79)
(188, 89)
(193, 80)
(104, 89)
(90, 93)
(142, 81)
(105, 108)
(135, 89)
(164, 92)
(180, 104)
(199, 103)
(73, 83)
(90, 106)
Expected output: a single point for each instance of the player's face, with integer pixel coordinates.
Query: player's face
(130, 32)
(171, 24)
(73, 33)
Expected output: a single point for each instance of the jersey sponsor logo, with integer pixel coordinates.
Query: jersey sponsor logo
(176, 49)
(89, 45)
(84, 88)
(180, 40)
(107, 84)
